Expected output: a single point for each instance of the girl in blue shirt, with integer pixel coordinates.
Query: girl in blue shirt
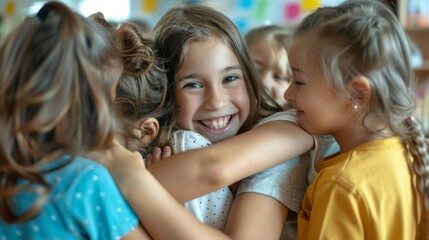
(58, 77)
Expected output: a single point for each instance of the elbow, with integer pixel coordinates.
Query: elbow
(217, 174)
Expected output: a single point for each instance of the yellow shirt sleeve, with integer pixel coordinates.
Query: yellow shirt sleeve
(328, 218)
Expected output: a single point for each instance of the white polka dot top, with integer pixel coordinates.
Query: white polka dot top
(212, 208)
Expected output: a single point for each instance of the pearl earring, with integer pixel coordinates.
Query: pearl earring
(355, 106)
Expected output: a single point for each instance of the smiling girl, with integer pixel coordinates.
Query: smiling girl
(353, 80)
(217, 94)
(218, 99)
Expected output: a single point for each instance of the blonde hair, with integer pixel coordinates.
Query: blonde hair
(55, 82)
(180, 26)
(142, 88)
(364, 37)
(278, 40)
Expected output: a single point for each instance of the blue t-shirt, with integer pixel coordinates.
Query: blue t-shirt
(84, 203)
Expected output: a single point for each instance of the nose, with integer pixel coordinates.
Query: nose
(216, 98)
(289, 94)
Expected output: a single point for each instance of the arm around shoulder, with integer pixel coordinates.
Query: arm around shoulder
(197, 172)
(160, 214)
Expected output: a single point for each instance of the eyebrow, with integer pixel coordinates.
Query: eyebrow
(230, 68)
(195, 75)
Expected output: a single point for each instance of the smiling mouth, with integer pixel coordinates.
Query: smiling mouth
(217, 123)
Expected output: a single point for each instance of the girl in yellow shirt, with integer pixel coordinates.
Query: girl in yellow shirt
(353, 80)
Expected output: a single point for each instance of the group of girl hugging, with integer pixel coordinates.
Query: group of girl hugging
(108, 134)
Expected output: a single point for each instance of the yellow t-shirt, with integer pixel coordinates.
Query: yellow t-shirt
(367, 193)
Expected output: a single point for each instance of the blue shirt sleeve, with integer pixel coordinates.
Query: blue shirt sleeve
(84, 203)
(98, 206)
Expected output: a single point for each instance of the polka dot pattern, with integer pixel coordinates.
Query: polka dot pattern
(85, 203)
(213, 208)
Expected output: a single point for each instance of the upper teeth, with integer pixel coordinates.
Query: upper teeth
(216, 123)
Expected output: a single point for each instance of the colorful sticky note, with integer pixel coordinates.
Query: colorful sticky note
(309, 5)
(261, 9)
(246, 4)
(291, 11)
(149, 6)
(10, 8)
(242, 24)
(193, 1)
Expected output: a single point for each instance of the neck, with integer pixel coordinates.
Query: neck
(351, 139)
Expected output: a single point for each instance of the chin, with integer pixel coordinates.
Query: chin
(215, 139)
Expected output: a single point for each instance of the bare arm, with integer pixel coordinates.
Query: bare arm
(256, 216)
(138, 233)
(161, 215)
(197, 172)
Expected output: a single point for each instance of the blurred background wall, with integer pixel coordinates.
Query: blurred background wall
(245, 13)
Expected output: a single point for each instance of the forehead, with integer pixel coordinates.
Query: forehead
(303, 57)
(209, 55)
(295, 52)
(192, 43)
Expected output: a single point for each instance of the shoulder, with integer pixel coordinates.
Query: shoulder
(285, 182)
(184, 140)
(83, 178)
(97, 201)
(79, 170)
(287, 115)
(83, 196)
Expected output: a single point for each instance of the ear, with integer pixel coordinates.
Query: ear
(148, 130)
(360, 90)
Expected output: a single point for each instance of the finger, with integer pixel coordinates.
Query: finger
(149, 159)
(166, 152)
(156, 154)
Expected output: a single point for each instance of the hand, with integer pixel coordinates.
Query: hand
(157, 155)
(124, 166)
(117, 156)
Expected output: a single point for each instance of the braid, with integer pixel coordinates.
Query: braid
(416, 145)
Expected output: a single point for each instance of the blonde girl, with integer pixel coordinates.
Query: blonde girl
(353, 80)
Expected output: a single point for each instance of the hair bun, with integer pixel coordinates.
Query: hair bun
(134, 49)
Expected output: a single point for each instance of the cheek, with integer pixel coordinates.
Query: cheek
(267, 80)
(243, 102)
(281, 87)
(311, 103)
(185, 110)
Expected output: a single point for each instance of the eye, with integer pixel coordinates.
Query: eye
(296, 81)
(280, 78)
(192, 85)
(230, 79)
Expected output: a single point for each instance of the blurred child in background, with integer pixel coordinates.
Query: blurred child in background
(268, 47)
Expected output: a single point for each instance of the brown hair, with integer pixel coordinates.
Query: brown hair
(141, 91)
(55, 87)
(185, 24)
